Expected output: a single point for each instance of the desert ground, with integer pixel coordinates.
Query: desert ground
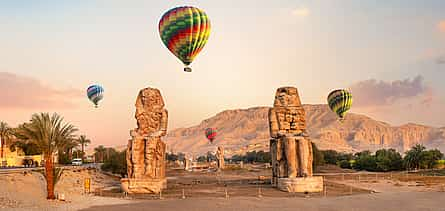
(232, 189)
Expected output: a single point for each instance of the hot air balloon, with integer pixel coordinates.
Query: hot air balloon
(95, 93)
(340, 101)
(184, 31)
(210, 133)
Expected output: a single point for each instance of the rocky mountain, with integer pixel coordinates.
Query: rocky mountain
(243, 130)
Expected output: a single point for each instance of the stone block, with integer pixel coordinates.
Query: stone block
(130, 185)
(301, 184)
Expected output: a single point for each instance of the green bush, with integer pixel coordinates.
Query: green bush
(116, 163)
(254, 156)
(344, 164)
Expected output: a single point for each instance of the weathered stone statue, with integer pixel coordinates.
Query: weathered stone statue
(145, 150)
(220, 157)
(290, 147)
(187, 164)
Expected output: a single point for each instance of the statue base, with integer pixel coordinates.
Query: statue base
(301, 184)
(130, 185)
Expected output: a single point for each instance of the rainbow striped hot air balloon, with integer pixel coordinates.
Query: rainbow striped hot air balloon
(95, 93)
(184, 31)
(340, 101)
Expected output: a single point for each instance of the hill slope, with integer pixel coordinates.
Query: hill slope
(244, 130)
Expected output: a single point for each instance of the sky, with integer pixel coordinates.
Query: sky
(390, 54)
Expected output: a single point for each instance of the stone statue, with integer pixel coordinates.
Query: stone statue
(187, 164)
(290, 147)
(146, 151)
(220, 157)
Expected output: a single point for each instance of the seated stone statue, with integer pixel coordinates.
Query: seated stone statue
(290, 147)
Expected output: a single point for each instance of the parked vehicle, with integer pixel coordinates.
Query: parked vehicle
(76, 162)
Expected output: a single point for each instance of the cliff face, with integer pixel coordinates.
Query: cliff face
(244, 130)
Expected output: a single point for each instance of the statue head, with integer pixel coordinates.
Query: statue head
(151, 98)
(287, 96)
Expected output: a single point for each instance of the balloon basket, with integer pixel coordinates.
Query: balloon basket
(187, 69)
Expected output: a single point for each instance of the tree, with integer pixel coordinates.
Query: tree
(83, 141)
(171, 156)
(429, 158)
(413, 157)
(210, 157)
(388, 160)
(50, 134)
(116, 162)
(202, 158)
(6, 134)
(263, 157)
(99, 153)
(330, 156)
(318, 156)
(344, 164)
(65, 154)
(27, 148)
(365, 161)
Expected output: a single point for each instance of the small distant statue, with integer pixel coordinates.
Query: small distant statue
(220, 157)
(187, 163)
(291, 148)
(146, 151)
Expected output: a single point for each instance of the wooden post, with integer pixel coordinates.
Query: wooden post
(183, 194)
(325, 190)
(350, 190)
(227, 194)
(259, 192)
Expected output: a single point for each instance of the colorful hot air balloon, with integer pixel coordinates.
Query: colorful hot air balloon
(95, 93)
(340, 101)
(210, 134)
(184, 31)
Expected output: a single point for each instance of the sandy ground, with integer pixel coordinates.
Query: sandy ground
(407, 201)
(28, 192)
(241, 189)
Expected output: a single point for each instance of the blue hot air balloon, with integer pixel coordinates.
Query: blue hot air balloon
(95, 93)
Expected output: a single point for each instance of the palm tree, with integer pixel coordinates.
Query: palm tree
(99, 152)
(83, 141)
(414, 156)
(5, 137)
(50, 134)
(66, 153)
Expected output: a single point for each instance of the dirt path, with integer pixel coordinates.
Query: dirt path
(406, 201)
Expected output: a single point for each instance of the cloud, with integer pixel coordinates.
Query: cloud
(380, 93)
(441, 26)
(26, 92)
(301, 12)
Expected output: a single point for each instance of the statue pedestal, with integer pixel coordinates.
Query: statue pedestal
(301, 184)
(130, 185)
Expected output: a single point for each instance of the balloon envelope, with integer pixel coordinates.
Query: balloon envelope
(210, 133)
(185, 31)
(95, 93)
(340, 101)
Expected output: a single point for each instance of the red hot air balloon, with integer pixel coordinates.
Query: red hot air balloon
(210, 133)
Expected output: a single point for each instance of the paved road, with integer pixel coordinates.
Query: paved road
(22, 169)
(414, 201)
